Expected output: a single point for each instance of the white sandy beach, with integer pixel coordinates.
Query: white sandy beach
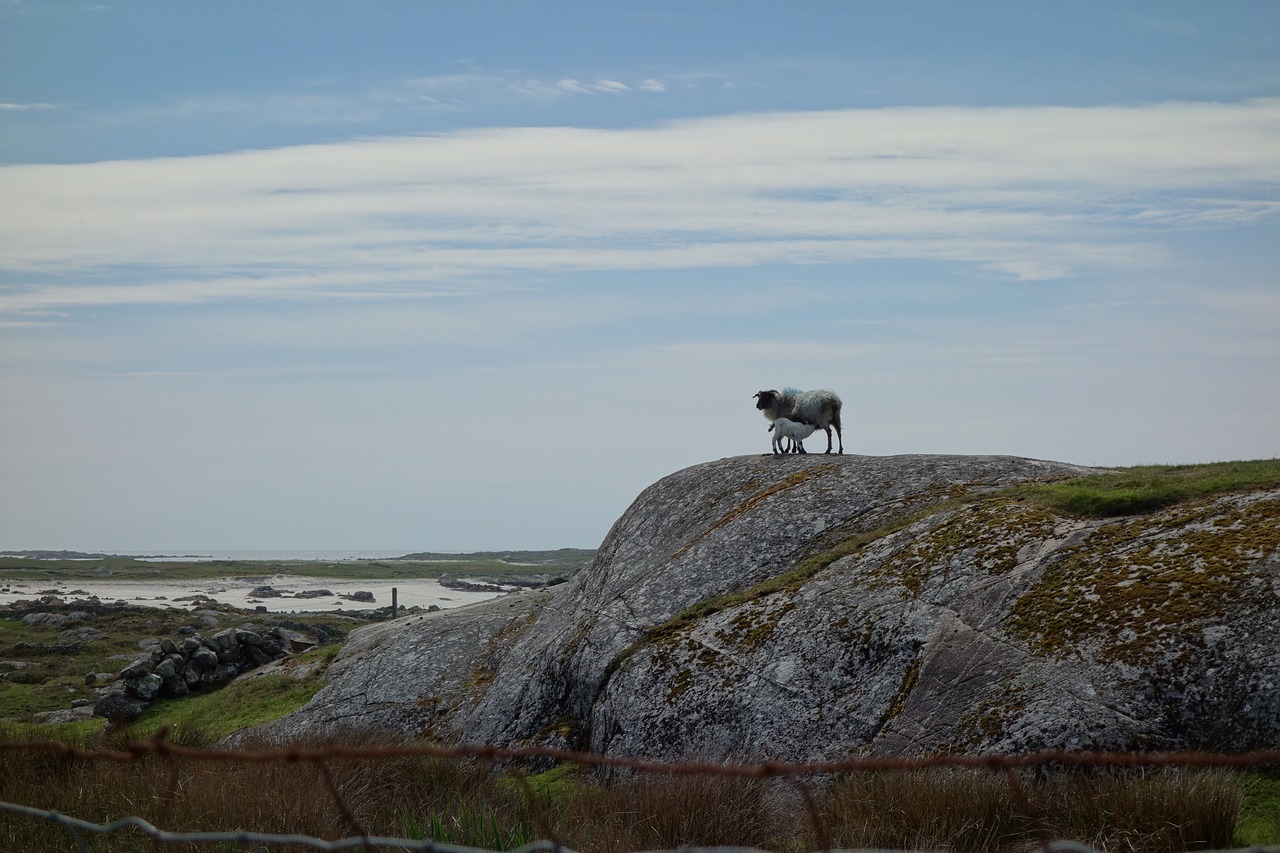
(235, 591)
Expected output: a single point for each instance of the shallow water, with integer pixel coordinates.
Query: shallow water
(235, 591)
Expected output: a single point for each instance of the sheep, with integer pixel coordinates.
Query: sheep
(821, 408)
(797, 431)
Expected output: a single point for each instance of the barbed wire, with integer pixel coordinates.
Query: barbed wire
(258, 840)
(159, 744)
(793, 772)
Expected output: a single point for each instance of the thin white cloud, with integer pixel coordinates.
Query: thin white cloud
(1032, 193)
(287, 108)
(483, 87)
(570, 85)
(438, 93)
(29, 107)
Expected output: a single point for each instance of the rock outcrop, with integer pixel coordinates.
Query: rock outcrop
(810, 607)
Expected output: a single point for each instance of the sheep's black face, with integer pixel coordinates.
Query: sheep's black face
(765, 399)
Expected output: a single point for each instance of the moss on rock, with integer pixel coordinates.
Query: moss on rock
(1148, 584)
(988, 534)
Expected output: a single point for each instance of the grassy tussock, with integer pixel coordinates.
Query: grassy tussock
(974, 812)
(1259, 822)
(1129, 491)
(670, 812)
(469, 803)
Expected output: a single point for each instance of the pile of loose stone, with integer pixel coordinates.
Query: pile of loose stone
(176, 668)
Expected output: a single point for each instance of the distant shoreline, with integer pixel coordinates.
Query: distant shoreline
(201, 556)
(522, 557)
(517, 567)
(274, 593)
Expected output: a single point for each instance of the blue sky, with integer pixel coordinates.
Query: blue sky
(470, 275)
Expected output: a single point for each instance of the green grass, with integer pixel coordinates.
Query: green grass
(1129, 491)
(466, 825)
(1259, 821)
(207, 717)
(48, 681)
(198, 719)
(79, 732)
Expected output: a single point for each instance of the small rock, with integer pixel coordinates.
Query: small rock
(137, 669)
(83, 634)
(248, 638)
(293, 640)
(119, 707)
(146, 687)
(71, 715)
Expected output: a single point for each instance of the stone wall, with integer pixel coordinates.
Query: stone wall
(192, 663)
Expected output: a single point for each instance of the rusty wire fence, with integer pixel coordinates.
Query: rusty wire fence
(80, 833)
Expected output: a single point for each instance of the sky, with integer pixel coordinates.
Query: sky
(470, 275)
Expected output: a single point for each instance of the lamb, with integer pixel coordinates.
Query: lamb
(820, 408)
(797, 431)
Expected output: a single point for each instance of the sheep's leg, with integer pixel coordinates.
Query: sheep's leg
(800, 447)
(835, 422)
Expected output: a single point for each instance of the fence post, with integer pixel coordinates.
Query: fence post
(395, 609)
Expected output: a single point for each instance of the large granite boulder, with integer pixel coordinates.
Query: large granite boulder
(810, 607)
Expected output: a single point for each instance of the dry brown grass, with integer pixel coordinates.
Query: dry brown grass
(467, 802)
(977, 812)
(669, 812)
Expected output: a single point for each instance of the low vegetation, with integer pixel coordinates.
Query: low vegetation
(204, 717)
(1259, 823)
(471, 804)
(44, 667)
(1161, 810)
(1128, 491)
